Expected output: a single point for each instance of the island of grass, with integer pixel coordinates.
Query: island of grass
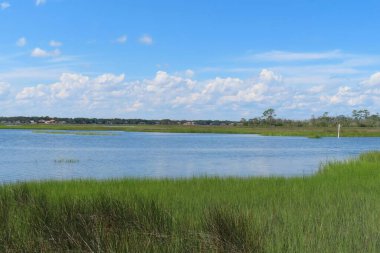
(335, 210)
(311, 132)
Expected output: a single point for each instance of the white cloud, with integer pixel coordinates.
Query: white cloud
(32, 92)
(4, 5)
(67, 86)
(373, 80)
(122, 39)
(162, 93)
(253, 92)
(265, 87)
(223, 91)
(40, 2)
(21, 42)
(269, 76)
(182, 96)
(134, 107)
(316, 89)
(346, 96)
(40, 53)
(222, 85)
(54, 43)
(70, 86)
(163, 82)
(146, 40)
(189, 73)
(109, 79)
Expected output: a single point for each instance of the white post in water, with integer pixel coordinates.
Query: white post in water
(338, 131)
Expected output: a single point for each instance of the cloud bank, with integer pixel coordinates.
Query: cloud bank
(182, 96)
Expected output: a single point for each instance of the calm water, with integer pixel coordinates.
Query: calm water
(26, 155)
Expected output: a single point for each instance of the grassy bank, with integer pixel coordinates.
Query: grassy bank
(270, 131)
(336, 210)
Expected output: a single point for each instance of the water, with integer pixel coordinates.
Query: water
(26, 155)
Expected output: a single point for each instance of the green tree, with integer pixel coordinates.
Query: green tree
(269, 114)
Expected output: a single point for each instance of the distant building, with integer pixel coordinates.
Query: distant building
(48, 122)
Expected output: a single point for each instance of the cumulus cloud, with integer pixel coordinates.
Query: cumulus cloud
(32, 92)
(21, 42)
(146, 40)
(373, 80)
(41, 53)
(164, 92)
(109, 79)
(4, 5)
(269, 76)
(346, 96)
(122, 39)
(265, 87)
(40, 2)
(55, 43)
(70, 86)
(179, 94)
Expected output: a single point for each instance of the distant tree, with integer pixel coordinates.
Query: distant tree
(361, 114)
(244, 121)
(364, 114)
(269, 114)
(355, 115)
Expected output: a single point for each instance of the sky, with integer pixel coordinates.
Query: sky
(177, 59)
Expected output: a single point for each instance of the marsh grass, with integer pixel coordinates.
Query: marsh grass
(335, 210)
(232, 231)
(267, 131)
(62, 160)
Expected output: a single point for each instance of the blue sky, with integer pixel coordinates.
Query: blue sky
(188, 59)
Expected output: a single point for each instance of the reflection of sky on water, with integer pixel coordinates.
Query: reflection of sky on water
(25, 155)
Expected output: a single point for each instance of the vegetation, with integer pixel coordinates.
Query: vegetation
(358, 118)
(66, 160)
(362, 123)
(312, 132)
(335, 210)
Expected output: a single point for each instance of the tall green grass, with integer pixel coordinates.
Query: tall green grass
(335, 210)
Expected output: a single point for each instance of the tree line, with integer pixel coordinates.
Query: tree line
(358, 118)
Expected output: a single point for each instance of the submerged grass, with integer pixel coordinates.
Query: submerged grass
(74, 133)
(62, 160)
(335, 210)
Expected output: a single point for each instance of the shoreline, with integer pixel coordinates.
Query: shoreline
(311, 132)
